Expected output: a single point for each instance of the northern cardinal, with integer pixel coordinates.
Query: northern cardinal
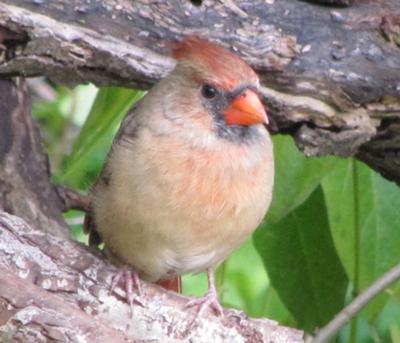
(190, 173)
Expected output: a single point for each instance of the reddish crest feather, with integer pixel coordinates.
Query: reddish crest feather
(214, 62)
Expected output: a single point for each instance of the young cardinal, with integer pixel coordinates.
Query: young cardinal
(190, 173)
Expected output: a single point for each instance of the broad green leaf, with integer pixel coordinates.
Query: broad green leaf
(388, 320)
(59, 116)
(296, 177)
(338, 189)
(364, 216)
(302, 263)
(395, 333)
(241, 279)
(275, 309)
(396, 291)
(109, 108)
(194, 284)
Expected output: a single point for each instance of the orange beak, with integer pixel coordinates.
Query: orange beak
(246, 109)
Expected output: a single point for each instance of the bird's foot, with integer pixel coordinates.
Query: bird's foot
(210, 300)
(131, 279)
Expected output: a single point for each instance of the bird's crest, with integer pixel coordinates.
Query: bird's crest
(208, 58)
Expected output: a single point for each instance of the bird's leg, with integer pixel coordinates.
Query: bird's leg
(210, 299)
(131, 278)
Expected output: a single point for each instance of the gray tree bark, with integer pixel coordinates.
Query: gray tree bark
(58, 290)
(25, 187)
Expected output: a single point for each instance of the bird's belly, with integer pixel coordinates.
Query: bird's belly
(161, 243)
(182, 216)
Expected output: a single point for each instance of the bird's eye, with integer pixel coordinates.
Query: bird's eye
(208, 91)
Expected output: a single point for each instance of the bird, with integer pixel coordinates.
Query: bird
(190, 173)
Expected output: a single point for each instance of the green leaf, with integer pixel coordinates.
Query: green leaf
(239, 284)
(109, 108)
(296, 177)
(395, 333)
(364, 216)
(338, 189)
(388, 320)
(194, 284)
(275, 309)
(302, 263)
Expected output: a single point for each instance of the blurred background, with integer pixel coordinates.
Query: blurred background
(333, 226)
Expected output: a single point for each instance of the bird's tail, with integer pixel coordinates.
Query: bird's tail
(174, 284)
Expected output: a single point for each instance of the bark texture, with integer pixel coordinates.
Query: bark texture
(64, 296)
(25, 187)
(330, 75)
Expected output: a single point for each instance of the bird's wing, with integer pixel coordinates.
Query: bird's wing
(129, 125)
(126, 133)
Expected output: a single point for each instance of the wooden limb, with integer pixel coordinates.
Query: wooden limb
(73, 200)
(38, 313)
(64, 295)
(332, 2)
(351, 310)
(25, 187)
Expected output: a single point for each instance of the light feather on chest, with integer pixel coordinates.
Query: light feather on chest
(203, 182)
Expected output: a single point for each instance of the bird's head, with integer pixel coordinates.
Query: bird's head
(217, 90)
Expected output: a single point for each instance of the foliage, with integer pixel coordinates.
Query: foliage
(312, 284)
(96, 135)
(332, 229)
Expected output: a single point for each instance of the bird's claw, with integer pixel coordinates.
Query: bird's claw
(210, 300)
(131, 278)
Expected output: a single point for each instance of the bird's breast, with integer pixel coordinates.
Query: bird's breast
(211, 183)
(192, 205)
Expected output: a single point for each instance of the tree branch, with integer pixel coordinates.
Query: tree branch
(351, 310)
(25, 187)
(63, 294)
(73, 200)
(333, 87)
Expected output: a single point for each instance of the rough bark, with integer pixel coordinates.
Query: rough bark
(63, 295)
(332, 2)
(25, 187)
(330, 75)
